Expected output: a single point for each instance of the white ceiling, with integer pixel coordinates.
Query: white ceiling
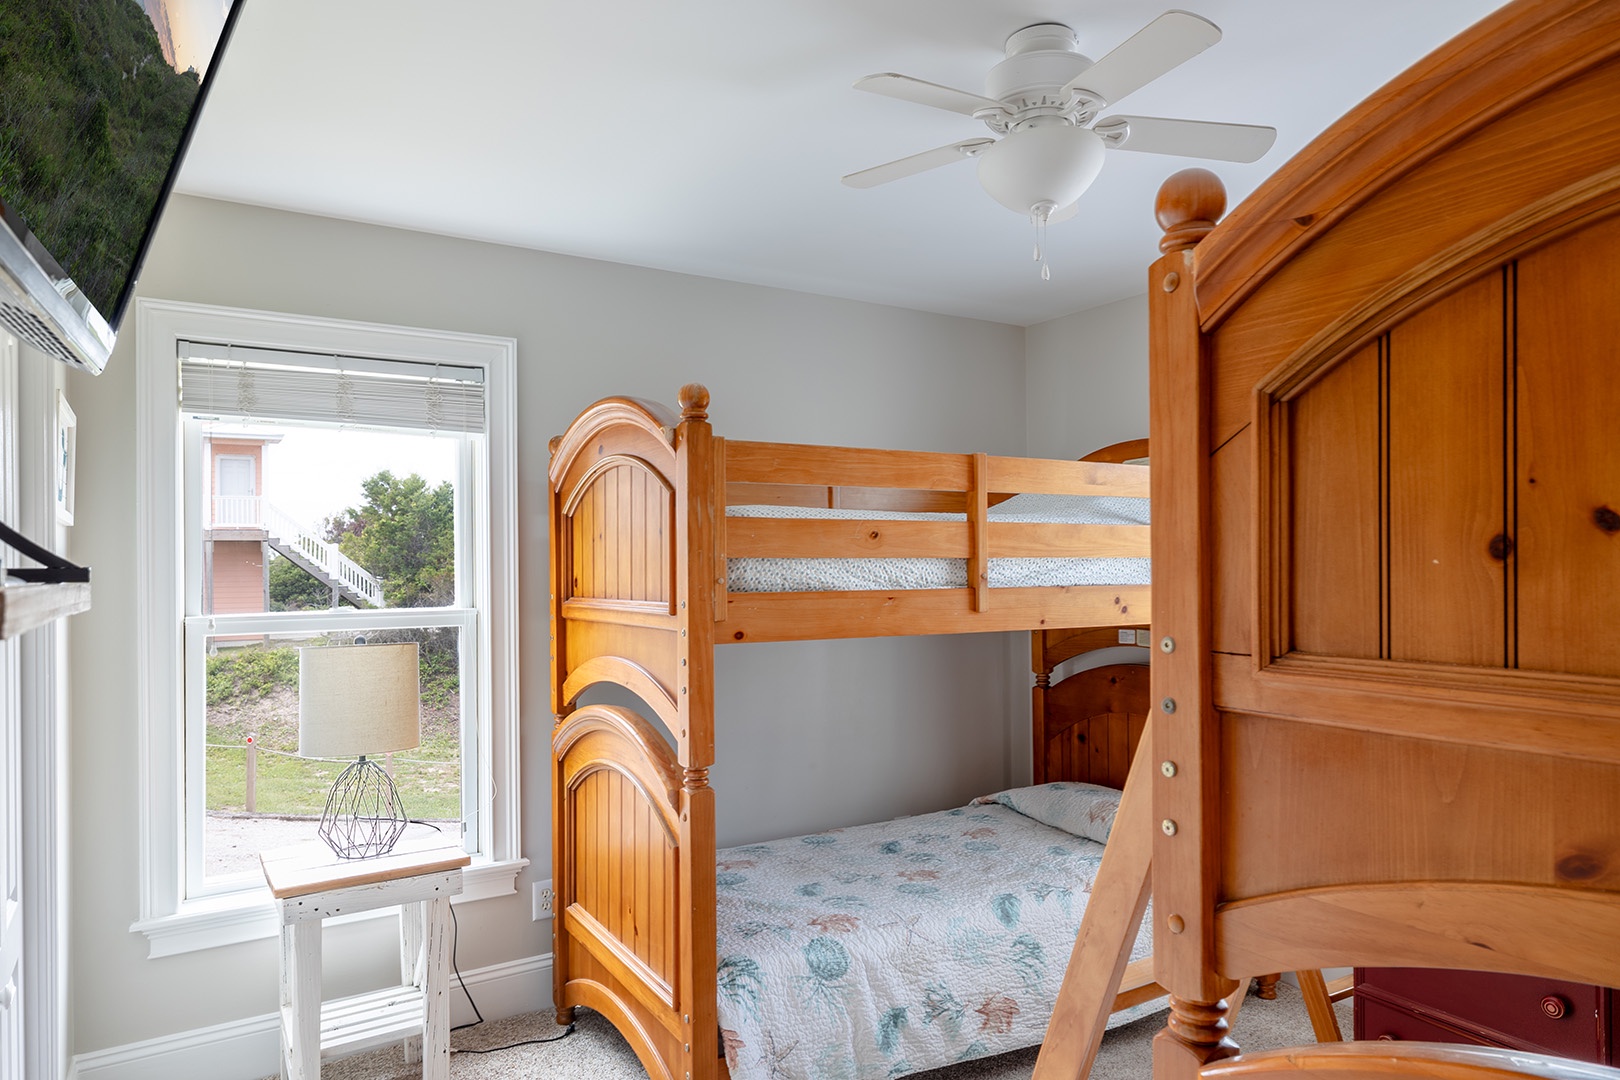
(708, 136)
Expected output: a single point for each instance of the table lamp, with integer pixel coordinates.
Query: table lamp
(355, 701)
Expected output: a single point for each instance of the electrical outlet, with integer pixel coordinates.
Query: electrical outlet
(543, 899)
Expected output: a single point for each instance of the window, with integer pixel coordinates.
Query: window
(316, 484)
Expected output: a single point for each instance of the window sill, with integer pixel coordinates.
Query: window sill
(251, 916)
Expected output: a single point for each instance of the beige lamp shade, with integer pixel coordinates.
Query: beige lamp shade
(358, 699)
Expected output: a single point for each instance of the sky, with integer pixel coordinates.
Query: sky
(194, 26)
(313, 473)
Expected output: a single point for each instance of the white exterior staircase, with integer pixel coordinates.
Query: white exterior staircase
(290, 539)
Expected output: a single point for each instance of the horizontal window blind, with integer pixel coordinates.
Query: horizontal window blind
(246, 383)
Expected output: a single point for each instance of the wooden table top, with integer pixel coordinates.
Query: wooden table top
(313, 867)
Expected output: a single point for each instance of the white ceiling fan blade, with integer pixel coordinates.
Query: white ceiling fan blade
(916, 163)
(906, 88)
(1167, 42)
(1186, 138)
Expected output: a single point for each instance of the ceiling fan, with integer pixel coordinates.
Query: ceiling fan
(1044, 100)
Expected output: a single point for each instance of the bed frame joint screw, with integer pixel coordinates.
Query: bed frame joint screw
(1176, 923)
(1168, 705)
(1168, 826)
(1167, 645)
(1171, 281)
(1168, 768)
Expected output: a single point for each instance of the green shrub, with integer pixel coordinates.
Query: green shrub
(250, 671)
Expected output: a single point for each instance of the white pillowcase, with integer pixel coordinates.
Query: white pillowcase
(1081, 809)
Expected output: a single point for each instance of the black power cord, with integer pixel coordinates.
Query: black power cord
(461, 981)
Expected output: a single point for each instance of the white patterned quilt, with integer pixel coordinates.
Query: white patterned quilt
(906, 945)
(815, 575)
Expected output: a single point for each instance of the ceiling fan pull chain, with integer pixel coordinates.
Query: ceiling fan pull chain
(1038, 214)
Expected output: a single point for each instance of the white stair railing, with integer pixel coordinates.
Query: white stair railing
(325, 555)
(254, 510)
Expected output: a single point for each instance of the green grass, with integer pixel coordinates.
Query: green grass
(296, 786)
(253, 691)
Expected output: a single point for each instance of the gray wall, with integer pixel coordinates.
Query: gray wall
(1086, 379)
(811, 735)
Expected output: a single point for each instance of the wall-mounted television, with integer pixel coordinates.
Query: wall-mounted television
(100, 99)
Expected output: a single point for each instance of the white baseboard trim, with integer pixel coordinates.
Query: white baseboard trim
(251, 1048)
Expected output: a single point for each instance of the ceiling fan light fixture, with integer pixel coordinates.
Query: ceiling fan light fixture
(1049, 163)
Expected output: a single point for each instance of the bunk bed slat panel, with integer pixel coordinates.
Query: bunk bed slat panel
(813, 616)
(843, 466)
(620, 534)
(1335, 571)
(1009, 474)
(1542, 820)
(1231, 552)
(790, 538)
(1568, 559)
(1447, 518)
(1038, 540)
(1527, 712)
(852, 498)
(596, 987)
(1390, 924)
(651, 649)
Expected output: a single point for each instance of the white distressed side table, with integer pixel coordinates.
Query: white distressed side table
(311, 884)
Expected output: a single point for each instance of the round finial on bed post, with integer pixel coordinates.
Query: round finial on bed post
(694, 401)
(556, 441)
(1189, 204)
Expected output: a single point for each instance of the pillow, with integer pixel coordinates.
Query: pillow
(1081, 809)
(1073, 509)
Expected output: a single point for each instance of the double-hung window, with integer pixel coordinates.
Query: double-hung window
(316, 484)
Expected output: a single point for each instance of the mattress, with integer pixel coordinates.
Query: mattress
(884, 949)
(840, 575)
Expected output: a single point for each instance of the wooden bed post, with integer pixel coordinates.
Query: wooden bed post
(1043, 680)
(556, 535)
(1186, 739)
(698, 502)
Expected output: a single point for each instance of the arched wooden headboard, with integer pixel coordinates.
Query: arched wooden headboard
(1382, 401)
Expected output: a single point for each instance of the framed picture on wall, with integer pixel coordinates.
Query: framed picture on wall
(67, 436)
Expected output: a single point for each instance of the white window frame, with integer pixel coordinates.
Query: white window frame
(171, 922)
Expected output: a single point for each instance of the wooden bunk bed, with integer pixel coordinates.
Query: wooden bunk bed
(644, 559)
(1384, 393)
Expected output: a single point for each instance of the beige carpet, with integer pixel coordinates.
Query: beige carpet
(595, 1051)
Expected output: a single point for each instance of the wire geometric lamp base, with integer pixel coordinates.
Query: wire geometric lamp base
(363, 816)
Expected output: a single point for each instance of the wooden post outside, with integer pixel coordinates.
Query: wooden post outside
(252, 797)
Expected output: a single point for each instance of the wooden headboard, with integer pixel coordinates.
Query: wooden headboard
(1088, 725)
(1384, 394)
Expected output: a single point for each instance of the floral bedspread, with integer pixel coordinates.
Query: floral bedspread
(900, 946)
